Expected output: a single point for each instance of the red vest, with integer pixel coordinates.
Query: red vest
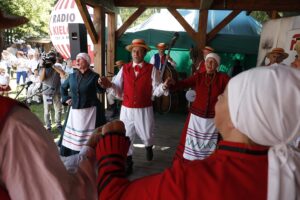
(6, 106)
(137, 89)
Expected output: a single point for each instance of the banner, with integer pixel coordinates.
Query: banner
(63, 13)
(281, 33)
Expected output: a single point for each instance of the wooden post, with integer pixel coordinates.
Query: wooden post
(202, 27)
(99, 47)
(111, 43)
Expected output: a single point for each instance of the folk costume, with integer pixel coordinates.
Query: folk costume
(31, 167)
(138, 84)
(220, 174)
(235, 170)
(159, 60)
(86, 112)
(199, 135)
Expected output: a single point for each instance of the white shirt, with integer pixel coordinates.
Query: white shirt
(4, 79)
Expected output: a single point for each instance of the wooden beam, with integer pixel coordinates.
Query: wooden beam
(108, 6)
(222, 24)
(99, 48)
(183, 23)
(202, 27)
(111, 43)
(206, 4)
(129, 21)
(87, 20)
(255, 5)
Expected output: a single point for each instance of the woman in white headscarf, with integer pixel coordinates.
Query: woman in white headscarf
(86, 112)
(199, 136)
(257, 115)
(264, 109)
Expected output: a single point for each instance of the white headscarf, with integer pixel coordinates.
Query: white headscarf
(264, 104)
(84, 56)
(215, 56)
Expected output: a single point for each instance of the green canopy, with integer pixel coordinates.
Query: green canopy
(238, 40)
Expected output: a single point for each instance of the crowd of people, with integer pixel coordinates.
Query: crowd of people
(241, 138)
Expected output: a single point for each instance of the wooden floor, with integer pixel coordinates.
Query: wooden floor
(167, 134)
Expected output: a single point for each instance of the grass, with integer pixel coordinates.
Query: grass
(38, 110)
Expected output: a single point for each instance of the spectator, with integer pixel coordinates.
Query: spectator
(21, 65)
(68, 69)
(50, 77)
(34, 87)
(32, 62)
(4, 82)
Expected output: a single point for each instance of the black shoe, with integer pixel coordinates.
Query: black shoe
(149, 154)
(129, 166)
(59, 129)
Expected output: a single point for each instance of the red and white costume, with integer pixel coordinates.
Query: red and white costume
(138, 84)
(234, 171)
(199, 135)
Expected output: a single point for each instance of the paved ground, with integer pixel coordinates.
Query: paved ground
(168, 131)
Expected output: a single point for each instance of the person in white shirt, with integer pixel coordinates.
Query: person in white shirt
(32, 61)
(159, 59)
(138, 83)
(4, 82)
(34, 87)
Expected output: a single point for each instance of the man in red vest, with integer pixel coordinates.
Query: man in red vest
(137, 82)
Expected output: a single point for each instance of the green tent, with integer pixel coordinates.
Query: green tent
(238, 40)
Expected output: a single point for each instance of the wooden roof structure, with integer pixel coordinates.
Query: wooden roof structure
(108, 8)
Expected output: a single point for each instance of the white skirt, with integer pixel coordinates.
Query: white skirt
(201, 138)
(80, 126)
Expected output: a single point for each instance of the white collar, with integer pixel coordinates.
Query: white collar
(137, 64)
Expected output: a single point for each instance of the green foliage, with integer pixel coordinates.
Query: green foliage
(127, 12)
(37, 11)
(260, 16)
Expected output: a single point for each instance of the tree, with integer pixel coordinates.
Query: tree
(38, 13)
(260, 16)
(127, 12)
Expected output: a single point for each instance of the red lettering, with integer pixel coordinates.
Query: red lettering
(294, 40)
